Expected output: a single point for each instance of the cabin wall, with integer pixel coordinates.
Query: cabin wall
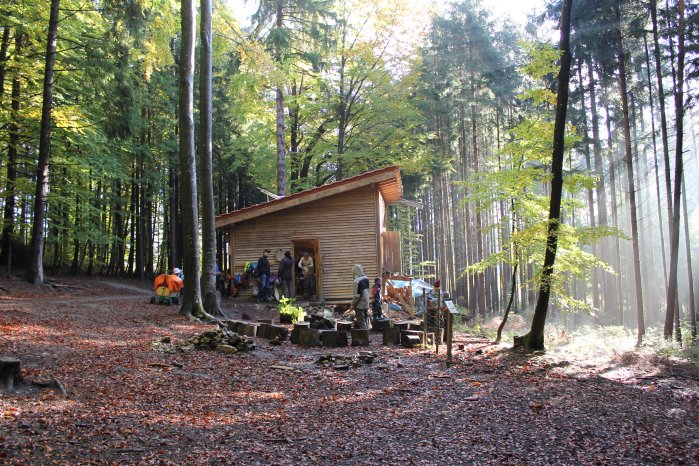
(345, 224)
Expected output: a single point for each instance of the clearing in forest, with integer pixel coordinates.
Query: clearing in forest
(127, 403)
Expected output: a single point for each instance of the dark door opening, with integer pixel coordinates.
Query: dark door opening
(306, 285)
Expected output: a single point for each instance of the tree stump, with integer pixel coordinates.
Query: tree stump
(360, 337)
(248, 330)
(410, 341)
(343, 325)
(415, 326)
(333, 338)
(233, 325)
(401, 324)
(296, 332)
(413, 333)
(391, 336)
(277, 332)
(9, 373)
(263, 330)
(381, 324)
(309, 337)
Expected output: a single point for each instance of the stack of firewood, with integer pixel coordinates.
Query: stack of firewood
(223, 340)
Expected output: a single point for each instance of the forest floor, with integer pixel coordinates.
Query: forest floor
(126, 403)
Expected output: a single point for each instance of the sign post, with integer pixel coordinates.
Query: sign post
(437, 334)
(450, 321)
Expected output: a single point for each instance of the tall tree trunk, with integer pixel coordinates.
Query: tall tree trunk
(4, 45)
(479, 224)
(672, 302)
(590, 192)
(192, 304)
(8, 231)
(35, 266)
(208, 279)
(621, 57)
(661, 223)
(692, 311)
(281, 143)
(534, 340)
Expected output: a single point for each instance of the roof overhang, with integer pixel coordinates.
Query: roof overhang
(388, 180)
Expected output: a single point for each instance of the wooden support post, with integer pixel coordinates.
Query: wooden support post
(437, 333)
(450, 320)
(9, 373)
(424, 314)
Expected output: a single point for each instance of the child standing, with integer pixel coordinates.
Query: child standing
(376, 300)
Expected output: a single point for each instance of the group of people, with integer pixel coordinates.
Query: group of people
(285, 275)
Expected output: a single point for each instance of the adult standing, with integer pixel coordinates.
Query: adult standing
(263, 272)
(308, 269)
(285, 268)
(360, 297)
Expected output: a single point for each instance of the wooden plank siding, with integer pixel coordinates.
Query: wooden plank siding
(347, 226)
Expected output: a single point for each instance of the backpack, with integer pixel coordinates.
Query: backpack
(255, 270)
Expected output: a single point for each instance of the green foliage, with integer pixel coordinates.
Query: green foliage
(286, 307)
(521, 184)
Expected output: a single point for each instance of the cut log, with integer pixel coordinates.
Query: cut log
(343, 325)
(9, 373)
(380, 324)
(277, 332)
(416, 333)
(401, 324)
(391, 336)
(263, 330)
(360, 337)
(410, 341)
(333, 338)
(309, 337)
(415, 326)
(249, 330)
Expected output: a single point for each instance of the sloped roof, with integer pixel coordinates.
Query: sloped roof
(387, 178)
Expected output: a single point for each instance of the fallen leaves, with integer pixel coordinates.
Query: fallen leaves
(130, 404)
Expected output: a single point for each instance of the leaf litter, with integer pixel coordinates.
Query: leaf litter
(128, 403)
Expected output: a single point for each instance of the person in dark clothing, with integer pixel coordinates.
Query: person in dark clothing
(376, 300)
(264, 272)
(360, 297)
(284, 273)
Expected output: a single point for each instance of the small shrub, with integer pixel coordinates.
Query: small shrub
(286, 307)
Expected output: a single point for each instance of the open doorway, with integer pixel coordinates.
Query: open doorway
(308, 284)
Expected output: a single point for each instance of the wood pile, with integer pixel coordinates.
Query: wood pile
(341, 362)
(220, 339)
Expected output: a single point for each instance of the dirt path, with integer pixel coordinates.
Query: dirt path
(129, 404)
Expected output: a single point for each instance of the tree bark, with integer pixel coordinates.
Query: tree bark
(692, 311)
(661, 223)
(208, 279)
(8, 231)
(192, 306)
(35, 266)
(677, 191)
(281, 143)
(534, 340)
(621, 58)
(4, 45)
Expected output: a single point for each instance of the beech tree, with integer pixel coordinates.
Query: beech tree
(534, 340)
(35, 264)
(192, 305)
(208, 280)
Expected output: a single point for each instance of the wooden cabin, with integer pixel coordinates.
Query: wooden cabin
(340, 224)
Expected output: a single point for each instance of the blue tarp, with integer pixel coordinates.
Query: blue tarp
(418, 285)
